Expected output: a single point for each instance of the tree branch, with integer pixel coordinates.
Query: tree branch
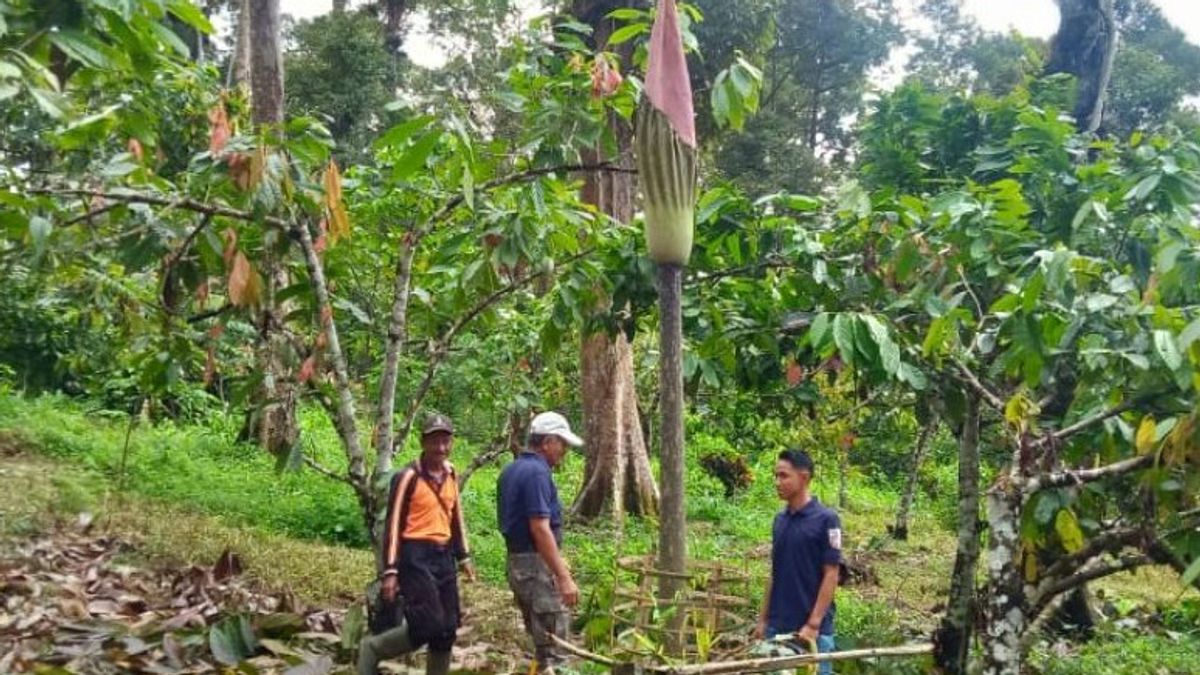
(1081, 476)
(185, 203)
(963, 374)
(327, 472)
(1088, 574)
(1085, 424)
(345, 420)
(437, 352)
(1109, 542)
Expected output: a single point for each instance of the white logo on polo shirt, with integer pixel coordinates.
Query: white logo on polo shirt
(835, 538)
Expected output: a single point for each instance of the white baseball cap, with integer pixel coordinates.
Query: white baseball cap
(554, 424)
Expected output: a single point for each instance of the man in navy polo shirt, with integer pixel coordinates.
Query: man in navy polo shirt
(806, 553)
(530, 516)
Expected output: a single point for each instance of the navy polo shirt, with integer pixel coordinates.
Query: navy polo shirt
(526, 491)
(802, 543)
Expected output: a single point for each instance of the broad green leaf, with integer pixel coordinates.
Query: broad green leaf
(39, 232)
(1067, 527)
(1191, 573)
(889, 353)
(8, 90)
(1146, 434)
(170, 38)
(1048, 503)
(400, 133)
(1189, 335)
(415, 157)
(52, 103)
(8, 71)
(81, 47)
(913, 376)
(187, 12)
(1168, 351)
(628, 14)
(1143, 188)
(627, 33)
(1169, 255)
(843, 336)
(819, 331)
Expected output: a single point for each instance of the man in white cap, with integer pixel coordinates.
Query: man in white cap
(530, 516)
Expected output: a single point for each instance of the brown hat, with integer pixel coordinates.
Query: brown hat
(435, 423)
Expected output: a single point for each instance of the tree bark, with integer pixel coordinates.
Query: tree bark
(239, 66)
(1085, 46)
(277, 428)
(953, 637)
(266, 62)
(1007, 613)
(900, 530)
(617, 476)
(672, 535)
(397, 332)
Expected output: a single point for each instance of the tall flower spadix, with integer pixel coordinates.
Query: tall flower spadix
(665, 142)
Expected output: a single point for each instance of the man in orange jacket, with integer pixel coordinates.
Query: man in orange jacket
(424, 536)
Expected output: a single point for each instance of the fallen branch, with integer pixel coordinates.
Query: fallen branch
(761, 665)
(769, 664)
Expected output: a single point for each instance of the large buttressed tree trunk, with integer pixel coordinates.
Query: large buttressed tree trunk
(1085, 46)
(617, 478)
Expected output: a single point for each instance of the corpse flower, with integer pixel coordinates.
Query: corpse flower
(666, 143)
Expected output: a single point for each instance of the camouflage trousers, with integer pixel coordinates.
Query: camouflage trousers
(541, 606)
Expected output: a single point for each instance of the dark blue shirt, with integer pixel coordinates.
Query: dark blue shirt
(802, 543)
(526, 491)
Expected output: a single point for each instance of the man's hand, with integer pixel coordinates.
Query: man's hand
(390, 586)
(760, 630)
(468, 570)
(808, 634)
(568, 590)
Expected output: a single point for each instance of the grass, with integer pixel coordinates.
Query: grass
(190, 492)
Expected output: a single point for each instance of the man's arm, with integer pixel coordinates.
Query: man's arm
(392, 532)
(829, 582)
(547, 548)
(760, 631)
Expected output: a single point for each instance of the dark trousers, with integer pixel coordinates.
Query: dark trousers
(429, 584)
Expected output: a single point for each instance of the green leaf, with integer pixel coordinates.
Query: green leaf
(81, 47)
(1067, 527)
(400, 133)
(913, 376)
(1191, 573)
(39, 232)
(170, 38)
(227, 641)
(628, 14)
(1168, 351)
(889, 353)
(1048, 503)
(415, 157)
(819, 331)
(8, 90)
(190, 14)
(52, 103)
(1189, 335)
(1143, 188)
(627, 33)
(843, 336)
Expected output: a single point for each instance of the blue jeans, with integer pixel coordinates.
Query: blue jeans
(825, 644)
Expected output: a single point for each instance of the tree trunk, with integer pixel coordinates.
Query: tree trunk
(239, 66)
(1007, 614)
(617, 477)
(393, 23)
(1085, 46)
(278, 429)
(383, 441)
(900, 530)
(843, 478)
(672, 534)
(953, 637)
(266, 62)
